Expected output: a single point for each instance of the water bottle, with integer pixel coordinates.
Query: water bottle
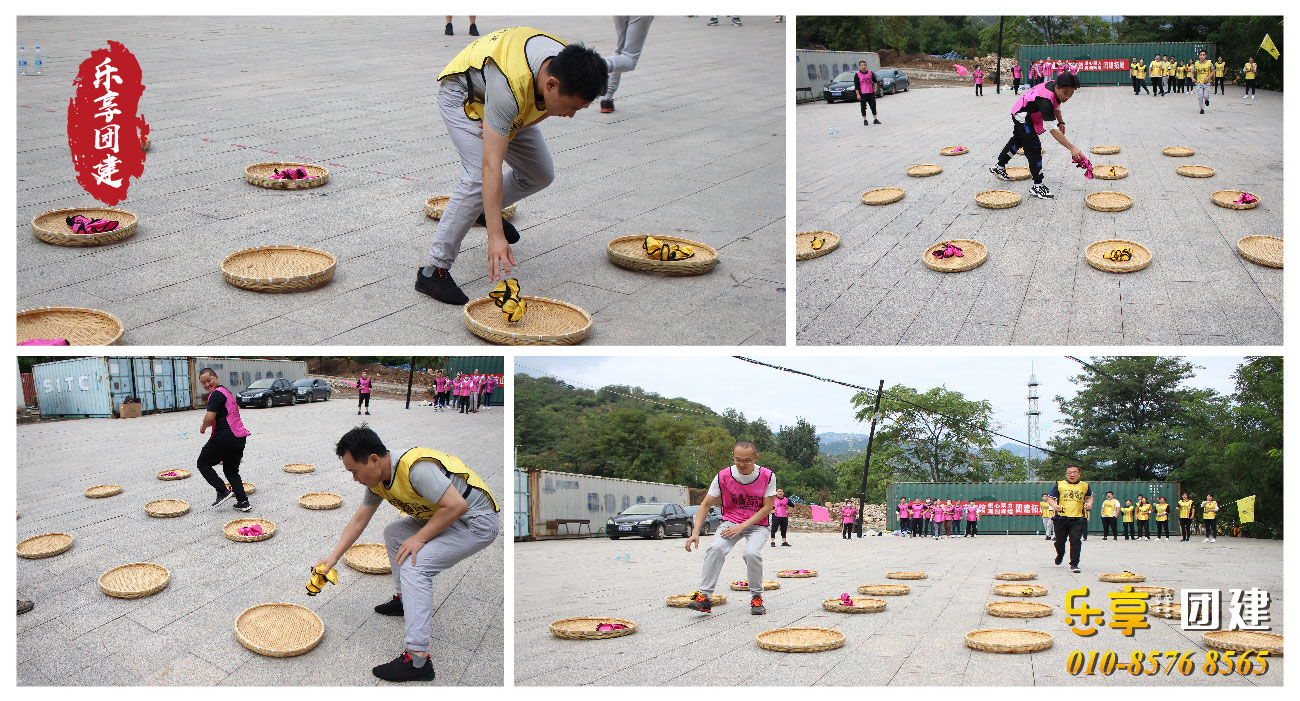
(38, 63)
(22, 60)
(834, 130)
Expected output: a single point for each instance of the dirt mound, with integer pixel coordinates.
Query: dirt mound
(342, 367)
(893, 59)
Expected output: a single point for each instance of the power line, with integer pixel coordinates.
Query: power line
(607, 389)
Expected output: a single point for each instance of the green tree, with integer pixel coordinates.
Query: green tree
(760, 434)
(937, 440)
(896, 31)
(798, 443)
(630, 449)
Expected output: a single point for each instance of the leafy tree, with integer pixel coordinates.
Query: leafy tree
(937, 443)
(760, 434)
(798, 443)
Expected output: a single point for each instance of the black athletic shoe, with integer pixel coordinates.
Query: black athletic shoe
(1059, 558)
(1001, 172)
(1075, 569)
(875, 121)
(774, 543)
(440, 286)
(512, 234)
(473, 29)
(712, 22)
(223, 497)
(367, 413)
(243, 506)
(606, 106)
(785, 545)
(756, 605)
(390, 608)
(448, 31)
(1207, 102)
(1202, 110)
(1042, 193)
(402, 669)
(701, 602)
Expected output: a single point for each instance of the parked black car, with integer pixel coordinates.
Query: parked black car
(844, 87)
(650, 521)
(891, 80)
(310, 389)
(267, 392)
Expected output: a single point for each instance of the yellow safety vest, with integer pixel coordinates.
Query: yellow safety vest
(1142, 72)
(1218, 69)
(1250, 71)
(1144, 512)
(1162, 512)
(1069, 500)
(405, 498)
(1184, 508)
(1210, 509)
(1046, 508)
(1108, 508)
(505, 49)
(1156, 68)
(1181, 72)
(1203, 69)
(1128, 513)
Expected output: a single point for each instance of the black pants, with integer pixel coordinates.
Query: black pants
(1162, 527)
(1142, 83)
(979, 88)
(1071, 529)
(1157, 86)
(905, 524)
(916, 525)
(464, 403)
(867, 99)
(1250, 86)
(1135, 85)
(1144, 528)
(229, 452)
(364, 397)
(846, 530)
(971, 527)
(1211, 527)
(1109, 527)
(1023, 136)
(1015, 86)
(1128, 530)
(1185, 525)
(1218, 85)
(782, 523)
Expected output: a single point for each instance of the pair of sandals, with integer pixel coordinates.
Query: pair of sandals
(1246, 198)
(507, 297)
(297, 173)
(667, 251)
(1119, 255)
(82, 224)
(949, 251)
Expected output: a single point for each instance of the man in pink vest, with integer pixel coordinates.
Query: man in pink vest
(363, 389)
(1015, 77)
(780, 518)
(748, 494)
(226, 444)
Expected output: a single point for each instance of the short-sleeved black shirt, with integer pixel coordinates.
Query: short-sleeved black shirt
(220, 428)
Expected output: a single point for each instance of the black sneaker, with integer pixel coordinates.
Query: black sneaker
(1075, 569)
(512, 234)
(875, 121)
(701, 602)
(865, 121)
(448, 31)
(785, 544)
(223, 497)
(606, 106)
(1207, 102)
(712, 22)
(473, 29)
(1202, 110)
(1059, 558)
(390, 608)
(756, 605)
(24, 606)
(402, 669)
(440, 286)
(774, 543)
(736, 21)
(1001, 172)
(1042, 193)
(243, 506)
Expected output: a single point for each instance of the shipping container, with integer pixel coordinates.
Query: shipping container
(522, 512)
(814, 69)
(73, 387)
(1012, 507)
(1108, 64)
(95, 387)
(160, 383)
(235, 374)
(486, 364)
(28, 389)
(547, 497)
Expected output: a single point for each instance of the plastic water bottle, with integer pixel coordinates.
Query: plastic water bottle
(39, 66)
(22, 60)
(833, 131)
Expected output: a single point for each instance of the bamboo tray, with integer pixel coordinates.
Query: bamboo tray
(1156, 592)
(102, 491)
(803, 249)
(1122, 577)
(1104, 150)
(279, 268)
(52, 226)
(81, 326)
(180, 475)
(1102, 172)
(299, 468)
(259, 174)
(885, 589)
(974, 255)
(249, 488)
(1228, 198)
(1019, 590)
(167, 508)
(134, 581)
(46, 545)
(584, 628)
(924, 170)
(279, 629)
(1244, 640)
(882, 195)
(1017, 609)
(434, 205)
(800, 639)
(1018, 173)
(768, 585)
(1178, 151)
(1141, 256)
(683, 600)
(951, 151)
(1174, 611)
(906, 575)
(371, 558)
(321, 501)
(1008, 640)
(997, 199)
(792, 574)
(1108, 201)
(548, 322)
(232, 530)
(1196, 171)
(628, 252)
(862, 604)
(1016, 576)
(1265, 250)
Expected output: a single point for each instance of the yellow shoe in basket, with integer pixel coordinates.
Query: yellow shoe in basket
(514, 309)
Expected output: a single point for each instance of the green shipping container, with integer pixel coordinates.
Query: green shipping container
(486, 364)
(1108, 64)
(1012, 507)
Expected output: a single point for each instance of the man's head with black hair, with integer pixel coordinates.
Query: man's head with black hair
(364, 455)
(1064, 86)
(572, 80)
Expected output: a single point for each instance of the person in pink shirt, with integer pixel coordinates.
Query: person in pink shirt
(747, 492)
(440, 386)
(978, 73)
(950, 525)
(225, 446)
(916, 508)
(474, 379)
(780, 517)
(460, 390)
(847, 512)
(972, 519)
(936, 520)
(1015, 77)
(489, 386)
(904, 517)
(363, 387)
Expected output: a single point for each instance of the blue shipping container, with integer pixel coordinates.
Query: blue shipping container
(73, 387)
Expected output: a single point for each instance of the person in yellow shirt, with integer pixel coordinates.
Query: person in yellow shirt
(1071, 500)
(1169, 74)
(1204, 71)
(1127, 511)
(1250, 69)
(1157, 76)
(1180, 76)
(1142, 77)
(1219, 66)
(1162, 519)
(1143, 513)
(1210, 512)
(1109, 511)
(1045, 508)
(1186, 515)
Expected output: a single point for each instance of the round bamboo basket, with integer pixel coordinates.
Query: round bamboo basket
(1107, 201)
(101, 491)
(1228, 198)
(885, 589)
(882, 195)
(46, 545)
(1104, 150)
(52, 226)
(299, 468)
(1122, 577)
(1244, 640)
(232, 530)
(249, 488)
(1008, 640)
(134, 581)
(768, 585)
(1141, 256)
(180, 475)
(800, 639)
(861, 604)
(1178, 151)
(973, 256)
(997, 199)
(320, 501)
(1174, 611)
(794, 574)
(1196, 171)
(925, 170)
(1102, 172)
(1018, 173)
(906, 575)
(1156, 592)
(548, 322)
(1265, 250)
(279, 268)
(951, 151)
(584, 628)
(1016, 576)
(434, 205)
(371, 558)
(259, 174)
(803, 249)
(279, 629)
(167, 508)
(81, 326)
(682, 600)
(1019, 590)
(1017, 609)
(628, 252)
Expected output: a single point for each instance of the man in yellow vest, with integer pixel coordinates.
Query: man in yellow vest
(1109, 512)
(1142, 77)
(1203, 70)
(1219, 66)
(1157, 76)
(1185, 516)
(1070, 499)
(1045, 508)
(1210, 512)
(1250, 68)
(493, 95)
(452, 515)
(1162, 519)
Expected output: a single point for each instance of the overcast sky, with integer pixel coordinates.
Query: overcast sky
(780, 397)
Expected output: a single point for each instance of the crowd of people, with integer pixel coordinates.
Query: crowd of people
(469, 393)
(937, 518)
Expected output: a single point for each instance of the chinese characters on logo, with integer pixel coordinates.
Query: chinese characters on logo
(102, 111)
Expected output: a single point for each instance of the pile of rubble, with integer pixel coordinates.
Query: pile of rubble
(873, 517)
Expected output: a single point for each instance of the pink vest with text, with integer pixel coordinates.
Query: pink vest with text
(232, 414)
(364, 385)
(740, 501)
(866, 82)
(1036, 118)
(781, 507)
(847, 513)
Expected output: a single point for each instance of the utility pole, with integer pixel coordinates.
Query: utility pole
(410, 380)
(866, 464)
(997, 71)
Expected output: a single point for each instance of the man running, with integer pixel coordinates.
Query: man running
(748, 494)
(363, 389)
(1204, 71)
(1070, 498)
(780, 517)
(1045, 508)
(631, 32)
(1109, 512)
(226, 444)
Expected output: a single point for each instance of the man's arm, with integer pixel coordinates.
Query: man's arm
(769, 503)
(209, 418)
(351, 532)
(500, 257)
(701, 514)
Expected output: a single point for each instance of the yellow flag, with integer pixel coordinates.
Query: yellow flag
(1246, 509)
(1268, 46)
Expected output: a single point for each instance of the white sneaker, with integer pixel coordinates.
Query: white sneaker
(1245, 97)
(1252, 97)
(1205, 540)
(1212, 540)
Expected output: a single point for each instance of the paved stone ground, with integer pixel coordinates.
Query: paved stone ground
(916, 641)
(691, 151)
(1036, 288)
(184, 634)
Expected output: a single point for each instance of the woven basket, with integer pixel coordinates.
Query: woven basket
(1196, 171)
(52, 226)
(768, 585)
(279, 268)
(1156, 592)
(682, 600)
(259, 174)
(1174, 611)
(1141, 256)
(1108, 201)
(885, 589)
(628, 252)
(103, 490)
(1265, 250)
(1017, 609)
(180, 475)
(232, 530)
(548, 322)
(800, 639)
(1008, 640)
(1102, 172)
(949, 151)
(167, 508)
(584, 628)
(1016, 576)
(1018, 173)
(46, 545)
(371, 558)
(1244, 640)
(1019, 590)
(862, 604)
(249, 488)
(1228, 198)
(803, 249)
(792, 574)
(299, 468)
(134, 581)
(320, 501)
(882, 195)
(906, 575)
(1178, 151)
(997, 199)
(434, 205)
(81, 326)
(924, 170)
(279, 629)
(973, 256)
(1122, 578)
(1104, 150)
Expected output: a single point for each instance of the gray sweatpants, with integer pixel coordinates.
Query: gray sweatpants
(531, 170)
(631, 32)
(473, 400)
(414, 582)
(755, 537)
(1202, 93)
